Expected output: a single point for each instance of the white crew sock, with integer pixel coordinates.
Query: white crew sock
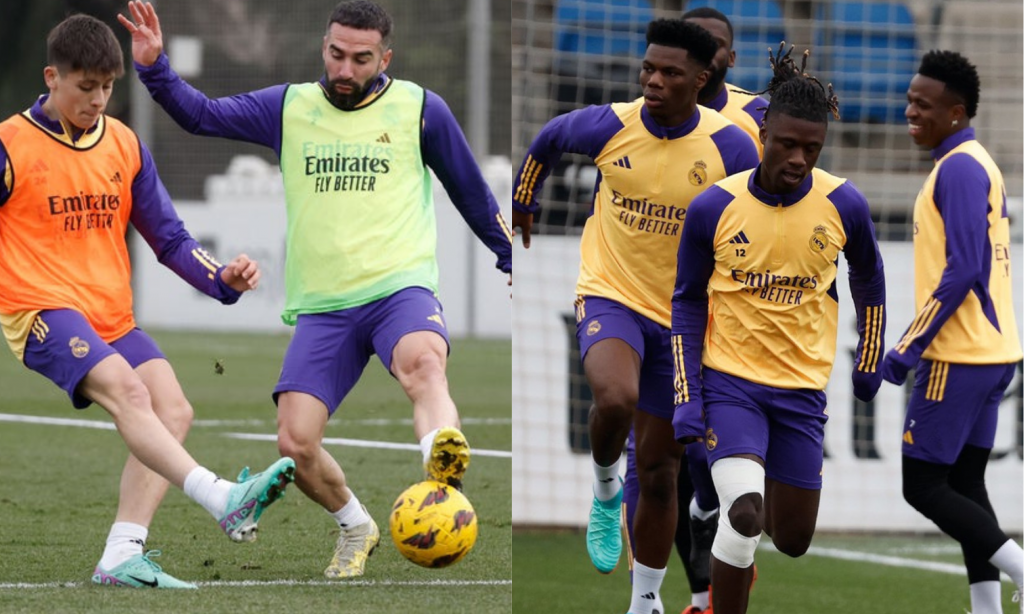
(646, 586)
(701, 600)
(427, 444)
(985, 598)
(606, 481)
(699, 514)
(1010, 560)
(208, 490)
(351, 514)
(126, 539)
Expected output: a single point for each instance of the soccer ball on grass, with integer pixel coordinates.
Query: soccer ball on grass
(433, 524)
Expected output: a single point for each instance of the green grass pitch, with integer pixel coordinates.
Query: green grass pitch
(59, 490)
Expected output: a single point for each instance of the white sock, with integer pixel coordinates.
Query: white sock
(427, 444)
(1010, 560)
(126, 539)
(985, 598)
(606, 481)
(646, 586)
(351, 514)
(208, 490)
(701, 600)
(699, 514)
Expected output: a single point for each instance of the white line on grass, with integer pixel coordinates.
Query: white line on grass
(355, 443)
(362, 421)
(250, 583)
(363, 443)
(883, 559)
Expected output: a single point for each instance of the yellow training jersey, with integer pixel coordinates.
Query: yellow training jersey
(744, 109)
(648, 174)
(962, 275)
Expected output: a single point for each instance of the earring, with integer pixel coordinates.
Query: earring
(955, 122)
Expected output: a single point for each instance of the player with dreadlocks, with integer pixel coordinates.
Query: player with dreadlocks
(765, 244)
(963, 342)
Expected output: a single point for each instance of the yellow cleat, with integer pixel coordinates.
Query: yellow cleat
(449, 457)
(355, 545)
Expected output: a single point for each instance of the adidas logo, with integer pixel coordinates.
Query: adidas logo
(116, 178)
(384, 138)
(908, 438)
(739, 238)
(39, 167)
(623, 162)
(649, 596)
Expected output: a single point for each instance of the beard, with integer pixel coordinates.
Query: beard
(715, 81)
(347, 102)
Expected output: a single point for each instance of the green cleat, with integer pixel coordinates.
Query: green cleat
(604, 539)
(139, 572)
(253, 494)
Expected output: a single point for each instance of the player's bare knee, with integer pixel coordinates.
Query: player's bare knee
(746, 514)
(792, 542)
(658, 482)
(614, 403)
(303, 450)
(177, 416)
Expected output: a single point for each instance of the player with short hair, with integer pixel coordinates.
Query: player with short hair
(361, 275)
(758, 255)
(653, 155)
(963, 342)
(72, 181)
(698, 520)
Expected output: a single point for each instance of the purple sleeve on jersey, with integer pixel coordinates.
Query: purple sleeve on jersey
(961, 196)
(738, 151)
(583, 131)
(254, 117)
(867, 287)
(756, 108)
(694, 266)
(5, 191)
(153, 215)
(447, 153)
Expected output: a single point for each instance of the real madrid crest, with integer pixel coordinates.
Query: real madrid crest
(710, 440)
(819, 239)
(593, 328)
(79, 347)
(699, 173)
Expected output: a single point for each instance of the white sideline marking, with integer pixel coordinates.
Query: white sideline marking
(362, 421)
(247, 583)
(883, 559)
(355, 443)
(363, 443)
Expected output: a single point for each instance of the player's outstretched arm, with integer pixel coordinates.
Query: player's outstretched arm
(144, 26)
(523, 220)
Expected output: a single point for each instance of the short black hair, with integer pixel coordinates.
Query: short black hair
(363, 15)
(82, 42)
(706, 12)
(795, 93)
(683, 35)
(959, 75)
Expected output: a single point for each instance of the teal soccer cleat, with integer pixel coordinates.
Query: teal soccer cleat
(604, 538)
(253, 494)
(139, 572)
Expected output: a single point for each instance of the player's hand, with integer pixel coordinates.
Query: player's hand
(523, 221)
(144, 26)
(894, 370)
(241, 274)
(866, 385)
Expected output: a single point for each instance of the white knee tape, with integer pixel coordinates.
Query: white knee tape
(735, 477)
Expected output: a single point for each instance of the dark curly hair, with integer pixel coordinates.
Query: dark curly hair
(706, 12)
(959, 75)
(794, 92)
(683, 35)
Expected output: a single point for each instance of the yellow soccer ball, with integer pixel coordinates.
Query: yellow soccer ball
(433, 524)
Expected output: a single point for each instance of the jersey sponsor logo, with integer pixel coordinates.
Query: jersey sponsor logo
(698, 175)
(642, 214)
(593, 328)
(347, 167)
(819, 239)
(623, 162)
(84, 211)
(768, 286)
(740, 237)
(79, 347)
(710, 440)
